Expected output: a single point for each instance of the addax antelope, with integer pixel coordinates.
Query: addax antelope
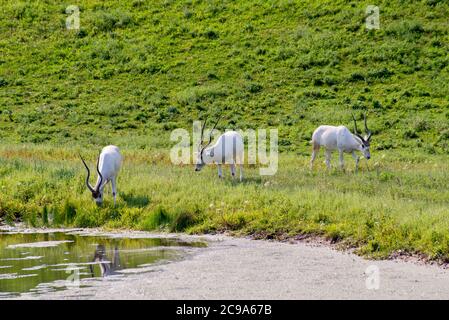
(108, 166)
(228, 149)
(341, 139)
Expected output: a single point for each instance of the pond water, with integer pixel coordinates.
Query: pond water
(39, 262)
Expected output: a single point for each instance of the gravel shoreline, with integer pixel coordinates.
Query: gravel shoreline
(240, 268)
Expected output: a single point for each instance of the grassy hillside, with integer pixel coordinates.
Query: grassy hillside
(138, 69)
(139, 66)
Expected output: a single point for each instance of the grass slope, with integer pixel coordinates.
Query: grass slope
(139, 66)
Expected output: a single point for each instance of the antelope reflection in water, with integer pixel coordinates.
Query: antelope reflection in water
(107, 267)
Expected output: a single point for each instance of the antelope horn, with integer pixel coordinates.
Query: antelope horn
(210, 135)
(366, 128)
(99, 173)
(355, 129)
(215, 125)
(88, 175)
(202, 131)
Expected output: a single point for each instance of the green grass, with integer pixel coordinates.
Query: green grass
(396, 202)
(138, 69)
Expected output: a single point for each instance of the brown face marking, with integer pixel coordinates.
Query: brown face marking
(95, 194)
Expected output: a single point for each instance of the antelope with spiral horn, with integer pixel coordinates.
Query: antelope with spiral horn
(108, 166)
(341, 139)
(229, 148)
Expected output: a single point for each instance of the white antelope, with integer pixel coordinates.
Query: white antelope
(341, 139)
(229, 149)
(108, 166)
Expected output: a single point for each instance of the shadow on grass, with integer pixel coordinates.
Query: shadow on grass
(136, 201)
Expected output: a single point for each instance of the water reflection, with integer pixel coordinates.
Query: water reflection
(47, 261)
(107, 267)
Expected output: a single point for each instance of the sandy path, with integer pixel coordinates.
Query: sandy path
(233, 268)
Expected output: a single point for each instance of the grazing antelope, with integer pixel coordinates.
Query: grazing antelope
(341, 139)
(229, 148)
(108, 165)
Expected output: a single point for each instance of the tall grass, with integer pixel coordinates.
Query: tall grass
(394, 203)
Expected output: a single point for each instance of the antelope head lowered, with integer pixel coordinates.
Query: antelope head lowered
(228, 149)
(365, 141)
(108, 166)
(96, 193)
(340, 138)
(200, 163)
